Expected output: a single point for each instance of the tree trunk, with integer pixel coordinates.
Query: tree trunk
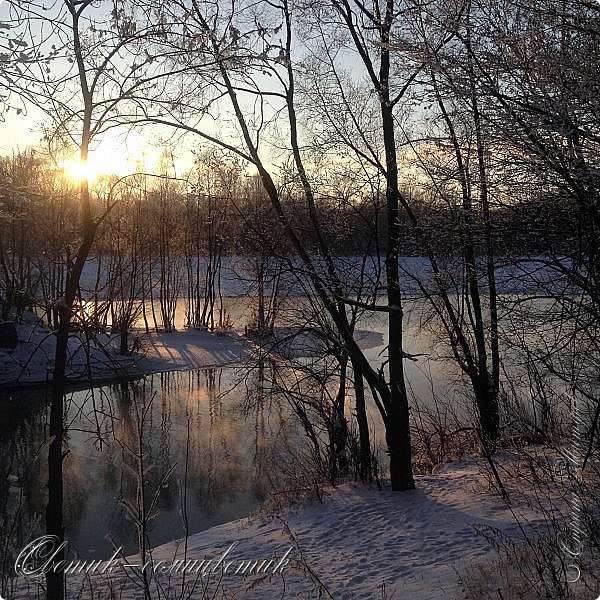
(364, 442)
(124, 335)
(338, 429)
(486, 397)
(397, 425)
(54, 509)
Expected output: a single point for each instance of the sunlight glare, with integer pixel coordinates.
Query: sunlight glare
(98, 165)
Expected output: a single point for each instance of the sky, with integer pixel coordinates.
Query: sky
(119, 155)
(129, 152)
(21, 126)
(19, 131)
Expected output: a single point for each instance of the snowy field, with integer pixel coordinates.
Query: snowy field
(238, 277)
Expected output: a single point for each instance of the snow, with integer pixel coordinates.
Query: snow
(237, 277)
(291, 343)
(355, 544)
(97, 356)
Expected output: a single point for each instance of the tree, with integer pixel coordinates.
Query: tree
(228, 52)
(22, 188)
(84, 73)
(538, 95)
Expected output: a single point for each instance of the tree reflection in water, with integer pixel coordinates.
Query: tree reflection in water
(129, 445)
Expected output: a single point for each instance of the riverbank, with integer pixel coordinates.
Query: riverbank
(96, 359)
(358, 543)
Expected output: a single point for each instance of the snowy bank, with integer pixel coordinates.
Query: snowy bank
(96, 357)
(358, 544)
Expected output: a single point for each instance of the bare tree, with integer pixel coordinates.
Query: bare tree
(90, 66)
(21, 193)
(539, 100)
(228, 51)
(215, 183)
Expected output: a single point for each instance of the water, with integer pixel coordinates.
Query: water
(212, 446)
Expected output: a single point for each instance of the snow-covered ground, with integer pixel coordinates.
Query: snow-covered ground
(97, 357)
(358, 543)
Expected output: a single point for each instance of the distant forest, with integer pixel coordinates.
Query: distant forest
(223, 210)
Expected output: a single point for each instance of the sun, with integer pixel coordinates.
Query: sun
(78, 170)
(113, 159)
(99, 164)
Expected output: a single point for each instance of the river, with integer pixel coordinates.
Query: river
(205, 446)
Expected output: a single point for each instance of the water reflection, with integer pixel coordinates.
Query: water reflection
(168, 450)
(22, 499)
